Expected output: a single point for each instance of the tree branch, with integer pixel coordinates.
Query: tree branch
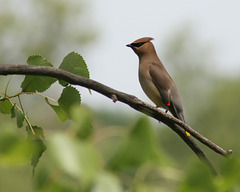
(176, 125)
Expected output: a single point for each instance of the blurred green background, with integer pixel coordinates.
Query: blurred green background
(124, 151)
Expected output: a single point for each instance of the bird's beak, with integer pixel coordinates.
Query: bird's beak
(129, 45)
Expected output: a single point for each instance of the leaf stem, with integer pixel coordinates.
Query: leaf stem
(21, 93)
(25, 117)
(21, 104)
(5, 93)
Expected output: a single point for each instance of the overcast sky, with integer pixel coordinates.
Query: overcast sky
(121, 22)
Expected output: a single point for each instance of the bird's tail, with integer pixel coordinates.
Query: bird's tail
(180, 116)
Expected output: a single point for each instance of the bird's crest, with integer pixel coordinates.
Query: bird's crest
(143, 40)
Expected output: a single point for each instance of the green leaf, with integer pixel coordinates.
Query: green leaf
(69, 97)
(140, 147)
(13, 115)
(39, 148)
(37, 130)
(38, 143)
(75, 159)
(37, 83)
(107, 182)
(5, 106)
(199, 178)
(20, 118)
(74, 63)
(58, 110)
(15, 112)
(14, 148)
(82, 117)
(230, 174)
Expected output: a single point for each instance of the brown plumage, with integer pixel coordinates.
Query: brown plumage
(155, 80)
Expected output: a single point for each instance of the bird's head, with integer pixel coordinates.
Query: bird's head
(142, 46)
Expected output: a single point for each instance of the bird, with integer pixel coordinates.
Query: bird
(155, 80)
(161, 89)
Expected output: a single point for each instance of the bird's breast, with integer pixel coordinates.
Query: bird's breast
(148, 86)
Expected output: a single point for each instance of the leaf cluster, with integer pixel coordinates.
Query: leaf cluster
(70, 96)
(113, 159)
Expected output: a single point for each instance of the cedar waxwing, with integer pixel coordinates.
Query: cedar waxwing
(155, 80)
(160, 88)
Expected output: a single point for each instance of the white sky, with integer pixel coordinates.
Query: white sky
(121, 22)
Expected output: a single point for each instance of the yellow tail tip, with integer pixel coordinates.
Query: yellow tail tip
(188, 134)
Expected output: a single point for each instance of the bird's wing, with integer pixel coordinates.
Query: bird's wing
(177, 104)
(167, 89)
(162, 81)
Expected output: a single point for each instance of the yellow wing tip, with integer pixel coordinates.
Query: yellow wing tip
(188, 134)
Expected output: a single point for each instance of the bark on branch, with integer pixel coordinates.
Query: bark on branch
(176, 125)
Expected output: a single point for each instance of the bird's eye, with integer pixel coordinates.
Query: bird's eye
(137, 44)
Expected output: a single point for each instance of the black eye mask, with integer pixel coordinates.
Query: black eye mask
(137, 44)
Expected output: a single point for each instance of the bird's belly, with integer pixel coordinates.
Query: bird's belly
(150, 89)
